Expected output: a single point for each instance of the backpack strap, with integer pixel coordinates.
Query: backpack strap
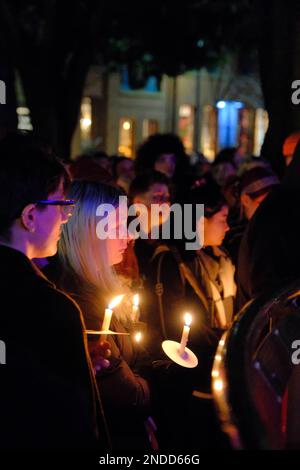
(186, 275)
(159, 288)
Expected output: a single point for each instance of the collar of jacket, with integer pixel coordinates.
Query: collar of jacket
(14, 263)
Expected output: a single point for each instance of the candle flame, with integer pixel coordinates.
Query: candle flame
(218, 385)
(188, 319)
(116, 301)
(136, 300)
(138, 337)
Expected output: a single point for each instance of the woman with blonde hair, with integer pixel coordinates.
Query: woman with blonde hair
(87, 274)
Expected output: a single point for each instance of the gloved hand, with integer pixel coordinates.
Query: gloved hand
(99, 353)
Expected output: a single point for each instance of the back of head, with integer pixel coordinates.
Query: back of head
(258, 181)
(156, 145)
(86, 169)
(143, 182)
(208, 194)
(28, 173)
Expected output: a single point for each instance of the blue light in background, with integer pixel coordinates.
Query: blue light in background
(228, 122)
(221, 104)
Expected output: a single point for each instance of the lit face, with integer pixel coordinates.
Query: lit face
(118, 239)
(158, 194)
(166, 164)
(215, 228)
(47, 224)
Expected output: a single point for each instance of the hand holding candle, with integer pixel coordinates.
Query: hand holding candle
(185, 333)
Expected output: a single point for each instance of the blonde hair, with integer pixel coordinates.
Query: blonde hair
(83, 254)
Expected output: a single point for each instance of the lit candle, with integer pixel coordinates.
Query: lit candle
(135, 308)
(185, 333)
(109, 311)
(138, 337)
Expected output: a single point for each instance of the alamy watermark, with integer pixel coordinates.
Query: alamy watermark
(2, 92)
(2, 352)
(296, 353)
(153, 222)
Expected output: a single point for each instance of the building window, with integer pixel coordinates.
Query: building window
(260, 128)
(186, 126)
(209, 132)
(85, 120)
(150, 127)
(24, 121)
(126, 137)
(149, 84)
(228, 123)
(246, 127)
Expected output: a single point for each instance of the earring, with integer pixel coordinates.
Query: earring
(31, 229)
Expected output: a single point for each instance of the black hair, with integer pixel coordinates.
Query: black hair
(209, 194)
(142, 183)
(225, 155)
(115, 162)
(29, 172)
(156, 145)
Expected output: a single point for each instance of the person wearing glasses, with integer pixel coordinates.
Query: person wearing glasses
(48, 397)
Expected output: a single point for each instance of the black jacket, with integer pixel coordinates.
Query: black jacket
(48, 398)
(269, 255)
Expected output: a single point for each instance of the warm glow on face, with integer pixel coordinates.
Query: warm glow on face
(136, 300)
(218, 385)
(188, 319)
(138, 337)
(116, 301)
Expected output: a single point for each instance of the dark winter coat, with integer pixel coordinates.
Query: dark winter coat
(48, 397)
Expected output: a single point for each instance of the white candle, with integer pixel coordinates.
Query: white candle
(185, 333)
(109, 311)
(107, 319)
(135, 308)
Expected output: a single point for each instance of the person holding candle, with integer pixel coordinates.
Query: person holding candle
(198, 281)
(86, 272)
(48, 396)
(202, 284)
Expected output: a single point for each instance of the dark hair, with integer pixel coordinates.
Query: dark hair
(208, 194)
(28, 172)
(225, 155)
(142, 183)
(156, 145)
(116, 160)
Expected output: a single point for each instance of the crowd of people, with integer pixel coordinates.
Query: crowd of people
(66, 386)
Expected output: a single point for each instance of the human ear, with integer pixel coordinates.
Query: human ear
(245, 200)
(28, 217)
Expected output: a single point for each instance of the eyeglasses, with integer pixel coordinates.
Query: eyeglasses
(66, 205)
